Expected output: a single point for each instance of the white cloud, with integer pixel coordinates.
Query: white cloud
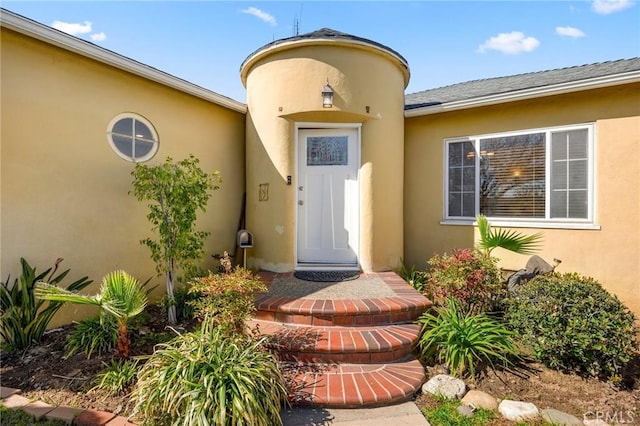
(570, 32)
(605, 7)
(510, 43)
(264, 16)
(72, 28)
(98, 37)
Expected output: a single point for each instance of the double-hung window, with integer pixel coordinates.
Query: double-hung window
(542, 175)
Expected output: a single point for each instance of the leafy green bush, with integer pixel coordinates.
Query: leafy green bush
(464, 342)
(468, 276)
(416, 278)
(572, 323)
(23, 319)
(95, 334)
(182, 300)
(227, 298)
(210, 377)
(118, 377)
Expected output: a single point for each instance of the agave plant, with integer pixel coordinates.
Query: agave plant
(121, 296)
(23, 319)
(506, 239)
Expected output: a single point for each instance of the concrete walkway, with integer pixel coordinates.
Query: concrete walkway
(404, 414)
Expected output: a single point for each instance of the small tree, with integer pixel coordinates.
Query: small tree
(176, 192)
(121, 296)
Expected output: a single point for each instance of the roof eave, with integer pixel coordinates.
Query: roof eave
(536, 92)
(59, 39)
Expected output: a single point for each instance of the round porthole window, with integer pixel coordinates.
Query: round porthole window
(132, 137)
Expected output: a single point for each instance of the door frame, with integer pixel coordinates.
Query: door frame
(312, 125)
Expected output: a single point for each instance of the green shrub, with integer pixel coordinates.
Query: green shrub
(210, 377)
(468, 276)
(572, 323)
(118, 377)
(416, 278)
(23, 319)
(227, 298)
(182, 300)
(464, 342)
(95, 334)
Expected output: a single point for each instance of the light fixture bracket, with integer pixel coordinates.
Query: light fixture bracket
(327, 95)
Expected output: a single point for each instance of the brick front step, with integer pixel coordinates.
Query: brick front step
(340, 344)
(405, 306)
(346, 353)
(354, 385)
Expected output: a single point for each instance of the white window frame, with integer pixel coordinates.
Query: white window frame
(547, 222)
(141, 119)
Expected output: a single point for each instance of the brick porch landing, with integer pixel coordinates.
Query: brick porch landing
(346, 353)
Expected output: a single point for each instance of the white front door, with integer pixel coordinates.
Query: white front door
(328, 196)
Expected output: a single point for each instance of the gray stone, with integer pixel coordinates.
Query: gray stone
(560, 418)
(517, 410)
(535, 266)
(479, 399)
(465, 410)
(446, 386)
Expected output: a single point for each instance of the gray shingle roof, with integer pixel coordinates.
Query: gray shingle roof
(514, 83)
(325, 34)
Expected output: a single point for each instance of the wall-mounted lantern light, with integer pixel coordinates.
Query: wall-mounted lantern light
(327, 96)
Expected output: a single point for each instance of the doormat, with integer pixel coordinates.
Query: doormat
(326, 276)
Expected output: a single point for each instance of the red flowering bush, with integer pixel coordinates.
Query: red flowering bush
(470, 277)
(227, 298)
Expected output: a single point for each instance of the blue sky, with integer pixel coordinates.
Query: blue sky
(444, 42)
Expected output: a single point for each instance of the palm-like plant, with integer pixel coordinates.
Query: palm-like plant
(121, 296)
(506, 239)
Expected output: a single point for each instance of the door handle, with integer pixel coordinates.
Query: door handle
(300, 188)
(300, 202)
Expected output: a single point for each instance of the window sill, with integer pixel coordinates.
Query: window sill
(527, 224)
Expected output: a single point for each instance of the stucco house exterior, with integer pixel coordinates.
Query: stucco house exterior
(372, 178)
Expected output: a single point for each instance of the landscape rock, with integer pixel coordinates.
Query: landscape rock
(479, 399)
(560, 418)
(446, 386)
(517, 410)
(465, 410)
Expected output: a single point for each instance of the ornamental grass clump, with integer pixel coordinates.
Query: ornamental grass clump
(209, 377)
(571, 323)
(118, 377)
(465, 343)
(97, 335)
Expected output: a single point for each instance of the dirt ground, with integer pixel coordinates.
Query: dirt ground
(546, 388)
(41, 372)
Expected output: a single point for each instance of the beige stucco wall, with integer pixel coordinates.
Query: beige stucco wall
(284, 88)
(610, 254)
(64, 192)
